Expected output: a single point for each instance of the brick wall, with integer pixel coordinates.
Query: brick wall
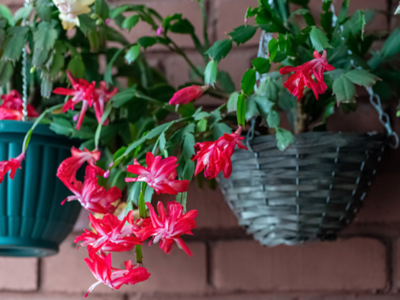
(227, 264)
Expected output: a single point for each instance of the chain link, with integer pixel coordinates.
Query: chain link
(24, 76)
(383, 117)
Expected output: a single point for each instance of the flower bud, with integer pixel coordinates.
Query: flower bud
(188, 94)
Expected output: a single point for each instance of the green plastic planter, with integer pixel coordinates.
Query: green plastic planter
(32, 221)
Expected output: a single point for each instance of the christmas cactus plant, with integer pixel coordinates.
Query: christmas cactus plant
(139, 135)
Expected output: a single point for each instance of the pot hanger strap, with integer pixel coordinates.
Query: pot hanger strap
(250, 135)
(263, 50)
(374, 99)
(24, 76)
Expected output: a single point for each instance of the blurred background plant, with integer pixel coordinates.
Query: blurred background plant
(141, 120)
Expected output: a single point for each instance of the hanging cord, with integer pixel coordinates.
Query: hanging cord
(383, 117)
(24, 76)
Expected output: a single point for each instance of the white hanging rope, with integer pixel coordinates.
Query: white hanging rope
(24, 76)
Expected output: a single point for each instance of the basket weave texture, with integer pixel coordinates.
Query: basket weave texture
(310, 191)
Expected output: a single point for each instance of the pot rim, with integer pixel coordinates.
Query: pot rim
(12, 126)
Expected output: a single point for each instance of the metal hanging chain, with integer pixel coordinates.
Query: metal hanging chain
(384, 118)
(262, 52)
(24, 76)
(374, 99)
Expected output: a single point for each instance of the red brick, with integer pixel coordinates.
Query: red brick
(356, 264)
(382, 204)
(18, 274)
(41, 296)
(214, 212)
(229, 14)
(177, 272)
(349, 297)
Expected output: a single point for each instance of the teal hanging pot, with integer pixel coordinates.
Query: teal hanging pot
(32, 221)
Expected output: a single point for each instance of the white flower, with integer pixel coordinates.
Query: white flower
(70, 10)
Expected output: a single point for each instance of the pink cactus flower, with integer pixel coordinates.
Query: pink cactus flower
(69, 167)
(92, 196)
(10, 165)
(82, 91)
(12, 106)
(112, 234)
(103, 96)
(160, 174)
(214, 157)
(101, 268)
(168, 227)
(303, 76)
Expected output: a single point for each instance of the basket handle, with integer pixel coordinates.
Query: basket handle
(374, 99)
(384, 118)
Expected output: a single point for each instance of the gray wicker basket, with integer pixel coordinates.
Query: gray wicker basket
(310, 191)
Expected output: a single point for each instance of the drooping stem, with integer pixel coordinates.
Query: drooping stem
(218, 93)
(139, 254)
(35, 124)
(104, 117)
(142, 203)
(143, 215)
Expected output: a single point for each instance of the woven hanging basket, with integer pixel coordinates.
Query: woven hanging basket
(309, 192)
(33, 223)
